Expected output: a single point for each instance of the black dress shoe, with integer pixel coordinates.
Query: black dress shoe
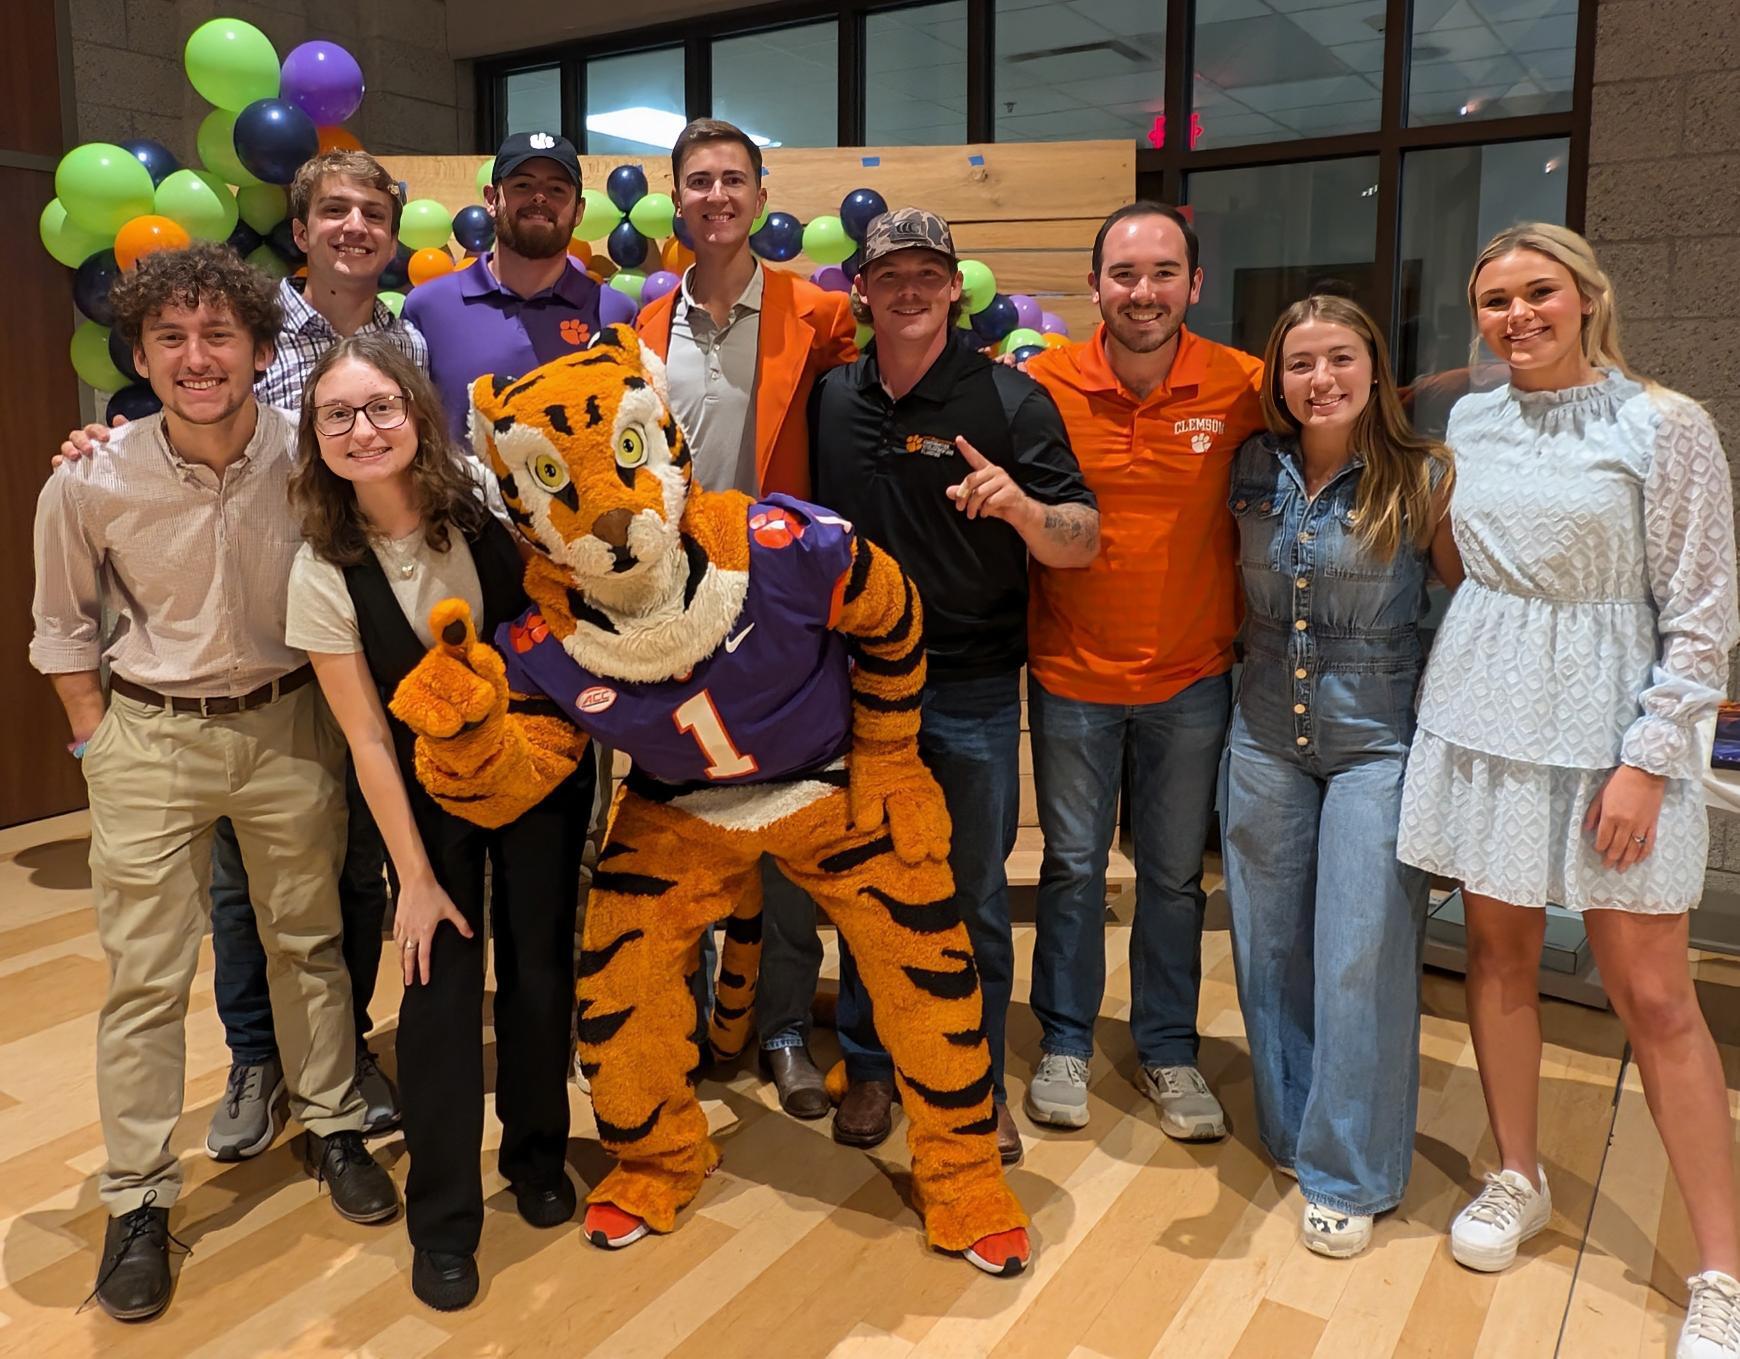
(866, 1115)
(546, 1205)
(802, 1091)
(445, 1282)
(361, 1190)
(133, 1280)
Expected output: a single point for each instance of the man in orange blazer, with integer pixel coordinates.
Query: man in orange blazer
(743, 345)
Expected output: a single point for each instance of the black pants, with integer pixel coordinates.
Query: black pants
(535, 882)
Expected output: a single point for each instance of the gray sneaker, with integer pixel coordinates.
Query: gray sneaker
(250, 1113)
(378, 1092)
(1057, 1094)
(1189, 1111)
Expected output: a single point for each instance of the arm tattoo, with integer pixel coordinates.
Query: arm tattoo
(1065, 524)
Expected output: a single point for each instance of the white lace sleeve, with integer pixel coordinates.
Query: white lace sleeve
(1688, 521)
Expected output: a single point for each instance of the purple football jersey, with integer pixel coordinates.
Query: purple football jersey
(773, 700)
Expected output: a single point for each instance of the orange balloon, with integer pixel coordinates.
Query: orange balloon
(1054, 340)
(338, 139)
(301, 273)
(427, 264)
(676, 256)
(142, 235)
(467, 262)
(580, 251)
(601, 267)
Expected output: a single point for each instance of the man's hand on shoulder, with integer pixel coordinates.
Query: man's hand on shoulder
(83, 443)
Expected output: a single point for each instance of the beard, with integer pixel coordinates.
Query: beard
(1144, 340)
(537, 239)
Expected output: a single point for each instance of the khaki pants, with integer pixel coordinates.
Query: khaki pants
(158, 782)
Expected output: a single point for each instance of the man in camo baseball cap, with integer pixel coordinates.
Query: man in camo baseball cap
(906, 229)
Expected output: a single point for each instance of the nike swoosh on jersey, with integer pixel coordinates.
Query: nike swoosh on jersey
(732, 643)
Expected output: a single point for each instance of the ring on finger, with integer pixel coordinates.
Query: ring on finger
(1640, 839)
(409, 944)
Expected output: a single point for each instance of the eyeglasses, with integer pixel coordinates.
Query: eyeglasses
(384, 412)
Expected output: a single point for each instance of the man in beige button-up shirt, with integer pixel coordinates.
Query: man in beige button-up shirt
(183, 535)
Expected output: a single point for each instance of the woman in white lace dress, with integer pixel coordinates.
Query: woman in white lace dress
(1556, 757)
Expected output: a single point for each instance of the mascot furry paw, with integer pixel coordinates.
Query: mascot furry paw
(762, 665)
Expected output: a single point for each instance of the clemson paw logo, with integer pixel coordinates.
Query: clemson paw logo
(576, 332)
(1201, 443)
(771, 528)
(542, 141)
(525, 636)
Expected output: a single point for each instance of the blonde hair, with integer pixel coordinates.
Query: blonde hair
(1396, 500)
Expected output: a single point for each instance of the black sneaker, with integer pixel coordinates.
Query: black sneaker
(547, 1205)
(133, 1280)
(445, 1282)
(361, 1190)
(378, 1093)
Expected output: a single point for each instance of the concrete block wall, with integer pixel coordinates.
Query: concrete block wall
(128, 79)
(1664, 213)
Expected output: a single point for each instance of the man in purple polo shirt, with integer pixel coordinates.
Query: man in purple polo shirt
(527, 301)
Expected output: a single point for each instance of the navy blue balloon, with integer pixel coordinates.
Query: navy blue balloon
(157, 158)
(1028, 351)
(626, 186)
(680, 229)
(244, 240)
(273, 138)
(91, 283)
(282, 239)
(626, 245)
(135, 402)
(997, 319)
(781, 238)
(858, 209)
(474, 228)
(853, 264)
(396, 277)
(121, 355)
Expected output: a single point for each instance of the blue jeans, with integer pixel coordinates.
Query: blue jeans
(1079, 751)
(1328, 928)
(971, 740)
(239, 959)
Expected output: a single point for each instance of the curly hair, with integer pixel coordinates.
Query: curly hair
(447, 496)
(205, 271)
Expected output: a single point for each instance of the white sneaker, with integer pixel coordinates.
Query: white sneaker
(1057, 1094)
(1712, 1329)
(1337, 1235)
(1189, 1111)
(1506, 1213)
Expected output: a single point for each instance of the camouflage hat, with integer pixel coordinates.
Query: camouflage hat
(906, 229)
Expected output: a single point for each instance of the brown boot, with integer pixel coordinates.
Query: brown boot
(1008, 1136)
(802, 1093)
(866, 1115)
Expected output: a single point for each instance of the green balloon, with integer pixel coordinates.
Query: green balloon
(425, 224)
(629, 281)
(1021, 335)
(826, 241)
(231, 64)
(863, 336)
(978, 285)
(759, 222)
(654, 215)
(216, 142)
(597, 215)
(200, 201)
(266, 260)
(90, 358)
(392, 301)
(262, 206)
(102, 187)
(485, 175)
(963, 321)
(63, 238)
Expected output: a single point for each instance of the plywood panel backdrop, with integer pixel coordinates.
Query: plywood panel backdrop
(1028, 210)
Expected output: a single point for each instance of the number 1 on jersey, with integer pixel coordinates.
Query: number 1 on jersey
(701, 720)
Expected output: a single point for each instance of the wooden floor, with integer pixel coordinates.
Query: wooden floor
(800, 1247)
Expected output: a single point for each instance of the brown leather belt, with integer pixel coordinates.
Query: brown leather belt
(216, 707)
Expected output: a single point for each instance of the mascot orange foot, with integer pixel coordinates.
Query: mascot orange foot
(762, 665)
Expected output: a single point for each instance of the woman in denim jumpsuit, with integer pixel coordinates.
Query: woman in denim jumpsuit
(1327, 922)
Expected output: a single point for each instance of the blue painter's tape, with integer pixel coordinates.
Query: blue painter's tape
(869, 162)
(975, 160)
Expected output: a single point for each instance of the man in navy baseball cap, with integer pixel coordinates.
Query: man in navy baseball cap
(520, 147)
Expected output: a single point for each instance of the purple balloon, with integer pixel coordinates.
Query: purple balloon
(1052, 324)
(658, 283)
(831, 278)
(615, 307)
(1027, 311)
(323, 80)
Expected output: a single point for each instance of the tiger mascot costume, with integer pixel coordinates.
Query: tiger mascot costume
(761, 664)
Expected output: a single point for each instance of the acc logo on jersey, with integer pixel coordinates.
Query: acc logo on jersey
(527, 635)
(596, 699)
(771, 528)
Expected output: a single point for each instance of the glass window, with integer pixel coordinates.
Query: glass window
(1453, 202)
(915, 75)
(1278, 70)
(1273, 234)
(534, 100)
(783, 87)
(1086, 70)
(635, 103)
(1491, 58)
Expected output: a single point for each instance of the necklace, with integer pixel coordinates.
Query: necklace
(404, 558)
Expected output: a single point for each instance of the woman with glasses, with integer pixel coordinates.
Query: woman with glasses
(395, 523)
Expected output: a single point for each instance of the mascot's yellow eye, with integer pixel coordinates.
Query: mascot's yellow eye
(630, 449)
(547, 470)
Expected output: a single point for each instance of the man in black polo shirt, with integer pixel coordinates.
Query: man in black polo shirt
(960, 468)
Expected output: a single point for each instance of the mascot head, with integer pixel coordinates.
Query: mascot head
(592, 466)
